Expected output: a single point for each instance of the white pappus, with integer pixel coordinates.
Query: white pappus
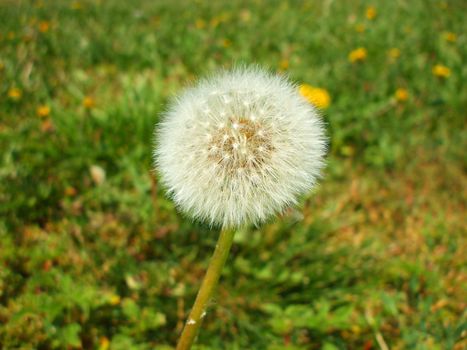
(239, 147)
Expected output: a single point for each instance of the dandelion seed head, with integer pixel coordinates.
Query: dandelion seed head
(264, 148)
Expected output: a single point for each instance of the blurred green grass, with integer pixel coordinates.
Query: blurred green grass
(374, 257)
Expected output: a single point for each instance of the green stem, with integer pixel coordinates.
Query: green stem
(207, 287)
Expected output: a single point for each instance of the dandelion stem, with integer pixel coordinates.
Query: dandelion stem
(206, 290)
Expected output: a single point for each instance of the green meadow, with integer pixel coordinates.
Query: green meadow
(94, 255)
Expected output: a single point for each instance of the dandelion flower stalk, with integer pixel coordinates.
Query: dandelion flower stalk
(234, 150)
(206, 290)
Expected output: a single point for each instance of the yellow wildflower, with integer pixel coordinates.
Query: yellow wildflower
(200, 24)
(450, 36)
(356, 329)
(316, 96)
(70, 191)
(347, 150)
(245, 15)
(44, 26)
(394, 53)
(370, 12)
(76, 5)
(15, 94)
(11, 35)
(284, 64)
(104, 343)
(114, 300)
(401, 95)
(441, 71)
(226, 42)
(215, 22)
(357, 55)
(88, 102)
(360, 28)
(224, 16)
(43, 111)
(155, 21)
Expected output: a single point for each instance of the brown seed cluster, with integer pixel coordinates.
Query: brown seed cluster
(241, 144)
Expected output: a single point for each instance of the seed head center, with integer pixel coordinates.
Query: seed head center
(240, 145)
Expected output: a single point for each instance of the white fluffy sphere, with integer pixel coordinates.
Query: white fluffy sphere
(239, 147)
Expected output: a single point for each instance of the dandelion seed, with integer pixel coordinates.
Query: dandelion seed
(227, 100)
(358, 55)
(258, 163)
(97, 174)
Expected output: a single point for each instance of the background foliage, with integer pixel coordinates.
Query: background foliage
(94, 256)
